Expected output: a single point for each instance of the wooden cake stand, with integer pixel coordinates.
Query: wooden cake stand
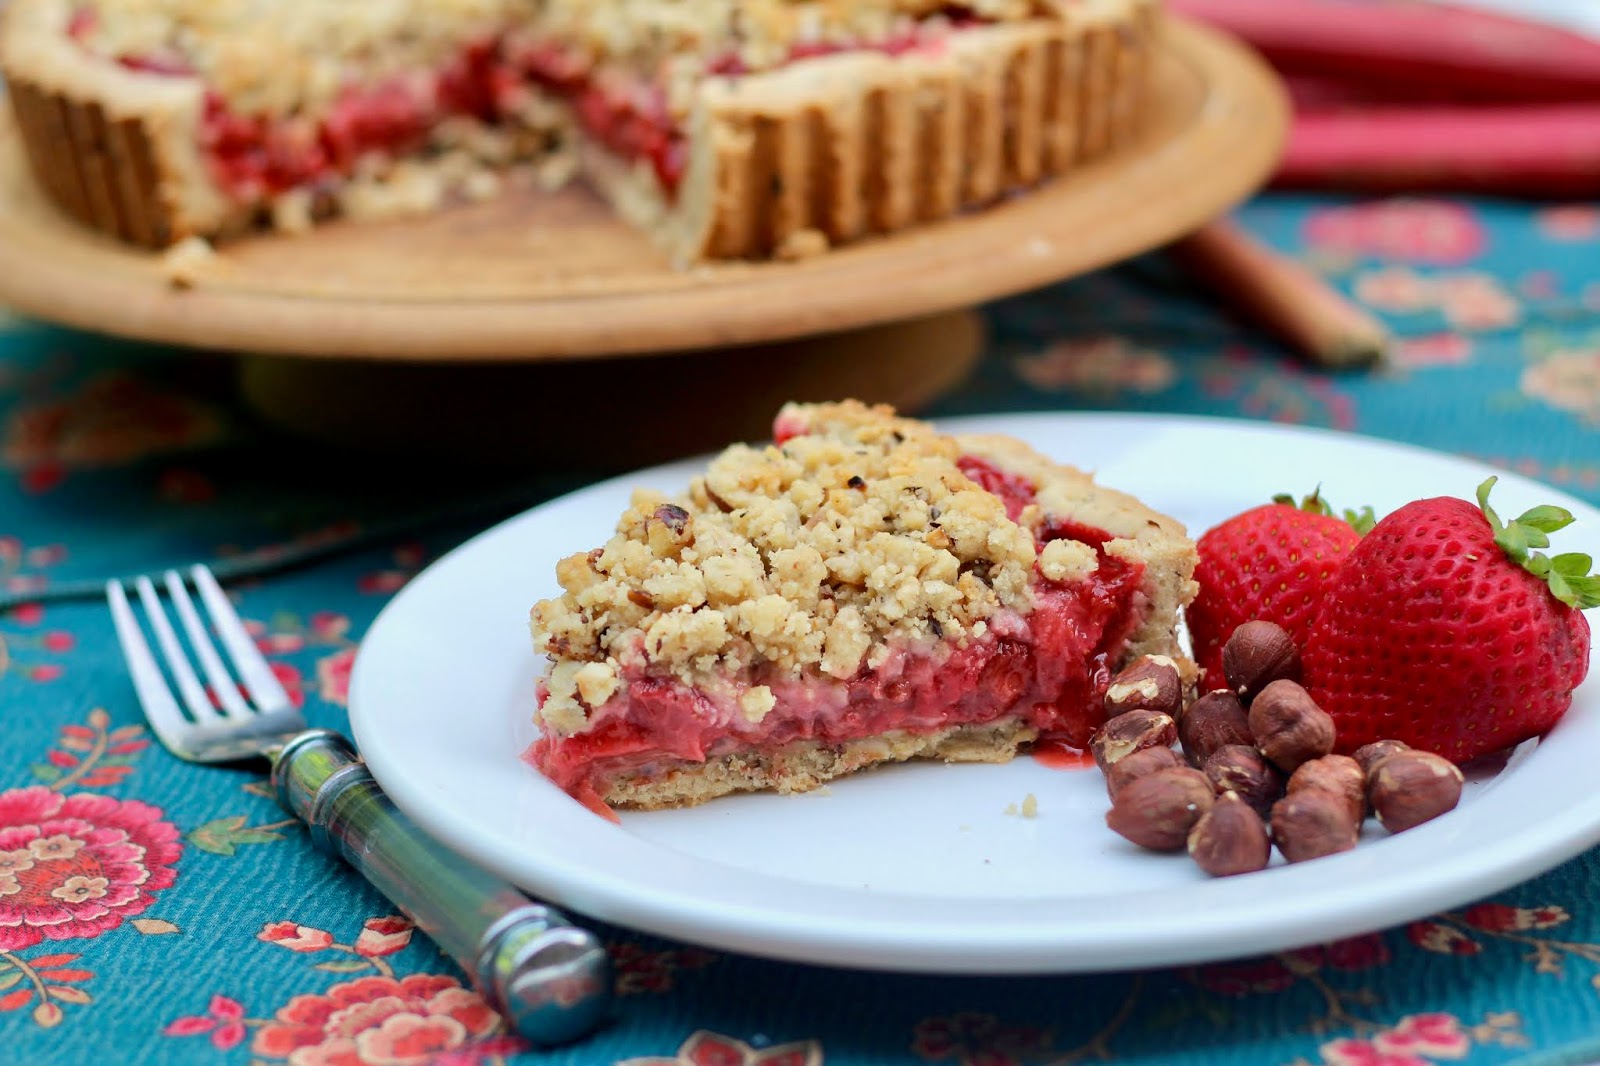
(486, 329)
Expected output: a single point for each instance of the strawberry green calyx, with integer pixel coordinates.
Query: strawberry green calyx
(1567, 574)
(1361, 521)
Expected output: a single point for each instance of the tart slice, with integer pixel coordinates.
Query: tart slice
(863, 590)
(729, 128)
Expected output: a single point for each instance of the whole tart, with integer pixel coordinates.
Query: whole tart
(863, 590)
(728, 128)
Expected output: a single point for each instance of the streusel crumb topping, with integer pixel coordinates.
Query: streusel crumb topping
(858, 533)
(265, 56)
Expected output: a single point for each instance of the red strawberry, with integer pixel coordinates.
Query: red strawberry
(1443, 630)
(1271, 563)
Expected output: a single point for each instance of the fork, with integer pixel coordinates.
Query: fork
(548, 977)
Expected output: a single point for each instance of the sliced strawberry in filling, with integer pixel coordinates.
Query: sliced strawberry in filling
(1047, 669)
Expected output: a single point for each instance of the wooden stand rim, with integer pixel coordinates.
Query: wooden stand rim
(540, 276)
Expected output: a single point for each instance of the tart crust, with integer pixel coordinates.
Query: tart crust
(117, 149)
(784, 162)
(804, 765)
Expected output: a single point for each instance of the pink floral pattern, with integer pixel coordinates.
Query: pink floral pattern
(1501, 918)
(975, 1039)
(333, 676)
(295, 937)
(223, 1020)
(1420, 1040)
(1468, 300)
(112, 419)
(407, 559)
(1097, 364)
(1441, 938)
(1423, 231)
(383, 936)
(1568, 380)
(77, 866)
(643, 970)
(1277, 973)
(21, 567)
(1290, 395)
(706, 1048)
(1432, 349)
(1570, 222)
(408, 1021)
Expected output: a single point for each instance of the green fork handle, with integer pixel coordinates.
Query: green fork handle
(548, 977)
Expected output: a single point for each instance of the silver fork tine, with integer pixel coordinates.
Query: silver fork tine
(247, 658)
(189, 687)
(221, 683)
(154, 695)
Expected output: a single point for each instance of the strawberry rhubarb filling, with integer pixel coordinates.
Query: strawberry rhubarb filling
(257, 156)
(1045, 670)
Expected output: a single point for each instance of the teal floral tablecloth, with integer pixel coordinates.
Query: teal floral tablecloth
(154, 912)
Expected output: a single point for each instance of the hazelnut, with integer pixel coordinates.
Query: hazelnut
(1158, 810)
(1368, 755)
(1149, 683)
(1140, 764)
(1312, 823)
(1131, 732)
(1411, 787)
(1338, 774)
(1213, 721)
(1257, 654)
(1230, 838)
(1288, 726)
(1241, 769)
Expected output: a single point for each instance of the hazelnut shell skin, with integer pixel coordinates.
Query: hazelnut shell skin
(1288, 726)
(1412, 787)
(1311, 824)
(1368, 755)
(1129, 732)
(1149, 683)
(1158, 811)
(1230, 838)
(1213, 721)
(1339, 774)
(1139, 764)
(1241, 769)
(1257, 654)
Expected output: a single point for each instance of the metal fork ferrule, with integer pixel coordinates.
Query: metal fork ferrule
(309, 775)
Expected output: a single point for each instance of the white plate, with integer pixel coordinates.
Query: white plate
(920, 867)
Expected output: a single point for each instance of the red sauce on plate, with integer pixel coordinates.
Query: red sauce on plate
(1059, 755)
